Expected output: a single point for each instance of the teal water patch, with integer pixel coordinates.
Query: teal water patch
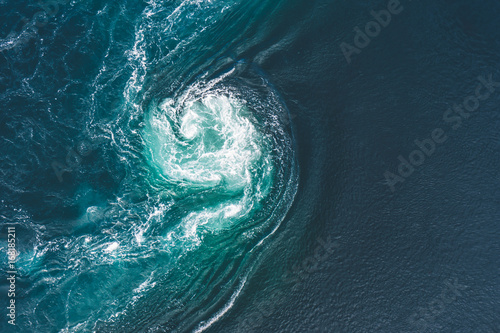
(209, 147)
(203, 154)
(211, 180)
(220, 175)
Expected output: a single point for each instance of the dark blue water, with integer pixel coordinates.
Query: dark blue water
(244, 166)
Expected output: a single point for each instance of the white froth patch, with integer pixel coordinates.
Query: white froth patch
(226, 141)
(232, 210)
(190, 127)
(111, 247)
(203, 140)
(139, 238)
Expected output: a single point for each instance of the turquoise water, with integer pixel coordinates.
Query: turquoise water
(202, 170)
(218, 166)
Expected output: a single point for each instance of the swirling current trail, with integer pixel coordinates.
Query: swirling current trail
(206, 153)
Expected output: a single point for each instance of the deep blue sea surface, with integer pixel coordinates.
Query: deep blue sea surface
(250, 166)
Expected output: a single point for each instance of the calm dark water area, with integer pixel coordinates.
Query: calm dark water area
(250, 166)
